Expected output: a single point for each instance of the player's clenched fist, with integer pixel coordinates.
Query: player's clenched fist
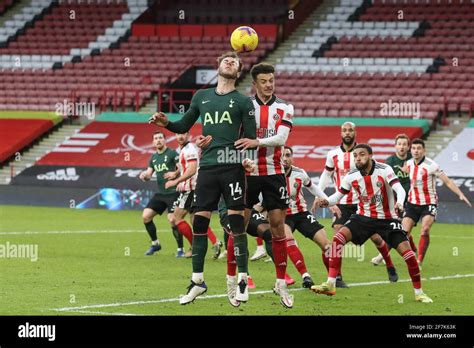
(159, 118)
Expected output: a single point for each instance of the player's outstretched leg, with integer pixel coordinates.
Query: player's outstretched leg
(197, 286)
(321, 239)
(335, 262)
(385, 252)
(410, 259)
(297, 259)
(231, 276)
(150, 227)
(237, 226)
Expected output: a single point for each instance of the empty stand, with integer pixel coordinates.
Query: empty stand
(381, 59)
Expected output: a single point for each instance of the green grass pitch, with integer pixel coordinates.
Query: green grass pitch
(91, 262)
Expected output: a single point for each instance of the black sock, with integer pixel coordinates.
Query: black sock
(267, 237)
(240, 242)
(151, 229)
(226, 239)
(178, 236)
(200, 226)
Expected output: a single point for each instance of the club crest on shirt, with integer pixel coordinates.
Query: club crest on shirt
(276, 117)
(379, 184)
(296, 185)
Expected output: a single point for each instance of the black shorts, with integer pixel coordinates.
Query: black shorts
(346, 211)
(272, 188)
(362, 228)
(256, 219)
(214, 181)
(417, 212)
(159, 202)
(305, 223)
(185, 201)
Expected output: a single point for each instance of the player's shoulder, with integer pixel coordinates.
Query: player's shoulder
(429, 161)
(380, 165)
(298, 170)
(353, 172)
(390, 159)
(334, 152)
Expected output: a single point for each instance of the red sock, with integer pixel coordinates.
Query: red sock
(211, 236)
(296, 256)
(386, 255)
(280, 256)
(335, 259)
(413, 269)
(412, 243)
(185, 230)
(423, 247)
(325, 257)
(231, 263)
(259, 241)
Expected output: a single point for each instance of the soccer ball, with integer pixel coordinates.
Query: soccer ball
(244, 39)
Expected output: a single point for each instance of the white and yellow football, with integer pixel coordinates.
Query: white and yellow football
(244, 39)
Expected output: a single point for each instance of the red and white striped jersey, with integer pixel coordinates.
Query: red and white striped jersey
(423, 181)
(341, 162)
(188, 153)
(269, 117)
(295, 180)
(374, 191)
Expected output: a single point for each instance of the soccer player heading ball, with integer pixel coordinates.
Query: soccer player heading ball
(224, 113)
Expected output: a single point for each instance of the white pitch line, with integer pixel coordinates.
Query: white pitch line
(76, 232)
(105, 313)
(205, 297)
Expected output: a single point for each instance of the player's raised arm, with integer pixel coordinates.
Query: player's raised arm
(184, 124)
(452, 186)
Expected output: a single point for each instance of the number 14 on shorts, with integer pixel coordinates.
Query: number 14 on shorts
(235, 190)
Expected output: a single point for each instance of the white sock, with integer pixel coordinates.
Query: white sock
(260, 248)
(418, 291)
(198, 278)
(241, 276)
(281, 282)
(230, 278)
(331, 281)
(155, 242)
(305, 275)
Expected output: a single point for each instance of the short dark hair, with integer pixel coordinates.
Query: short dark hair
(364, 146)
(262, 68)
(230, 54)
(160, 132)
(402, 136)
(418, 141)
(289, 148)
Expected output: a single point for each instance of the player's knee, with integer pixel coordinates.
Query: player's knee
(172, 220)
(147, 218)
